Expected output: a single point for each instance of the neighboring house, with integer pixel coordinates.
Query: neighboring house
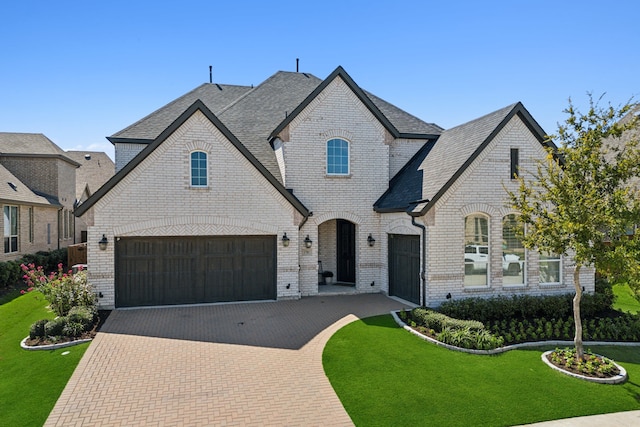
(45, 178)
(95, 169)
(234, 193)
(29, 220)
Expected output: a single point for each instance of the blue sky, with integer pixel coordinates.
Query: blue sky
(80, 71)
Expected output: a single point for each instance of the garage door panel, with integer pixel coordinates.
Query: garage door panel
(183, 270)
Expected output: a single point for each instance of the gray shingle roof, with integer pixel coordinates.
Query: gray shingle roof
(457, 147)
(403, 121)
(93, 171)
(406, 187)
(252, 114)
(14, 190)
(215, 97)
(28, 143)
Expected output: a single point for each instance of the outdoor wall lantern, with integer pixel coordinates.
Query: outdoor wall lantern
(448, 295)
(307, 242)
(285, 240)
(103, 243)
(371, 240)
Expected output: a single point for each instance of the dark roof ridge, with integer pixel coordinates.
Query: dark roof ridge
(338, 72)
(510, 111)
(113, 138)
(198, 105)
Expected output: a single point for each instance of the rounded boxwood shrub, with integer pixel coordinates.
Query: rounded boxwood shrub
(53, 328)
(84, 315)
(37, 330)
(73, 329)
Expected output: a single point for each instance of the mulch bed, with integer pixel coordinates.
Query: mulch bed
(574, 369)
(102, 317)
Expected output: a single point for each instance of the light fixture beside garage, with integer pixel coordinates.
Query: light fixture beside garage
(285, 240)
(103, 243)
(307, 242)
(371, 240)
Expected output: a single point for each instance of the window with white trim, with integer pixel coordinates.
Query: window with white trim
(550, 268)
(513, 252)
(10, 229)
(199, 169)
(476, 250)
(337, 157)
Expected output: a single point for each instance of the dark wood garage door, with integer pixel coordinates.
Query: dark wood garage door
(189, 270)
(404, 267)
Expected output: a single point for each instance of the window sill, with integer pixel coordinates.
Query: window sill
(337, 176)
(552, 285)
(518, 286)
(477, 289)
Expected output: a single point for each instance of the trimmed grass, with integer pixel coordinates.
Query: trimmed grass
(385, 376)
(625, 300)
(30, 381)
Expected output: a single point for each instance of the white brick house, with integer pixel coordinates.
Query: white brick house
(240, 193)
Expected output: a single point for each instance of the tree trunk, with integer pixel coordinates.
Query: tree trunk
(576, 313)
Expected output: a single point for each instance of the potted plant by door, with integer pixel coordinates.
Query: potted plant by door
(327, 276)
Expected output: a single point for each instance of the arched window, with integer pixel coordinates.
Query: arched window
(199, 169)
(476, 250)
(337, 157)
(513, 252)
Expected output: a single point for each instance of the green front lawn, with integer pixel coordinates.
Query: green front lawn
(386, 376)
(30, 381)
(625, 301)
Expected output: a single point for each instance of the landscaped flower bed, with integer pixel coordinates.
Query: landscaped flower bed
(71, 298)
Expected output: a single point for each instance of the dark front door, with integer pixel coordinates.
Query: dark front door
(404, 267)
(346, 251)
(194, 269)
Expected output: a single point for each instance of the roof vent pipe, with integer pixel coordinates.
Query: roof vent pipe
(297, 64)
(210, 74)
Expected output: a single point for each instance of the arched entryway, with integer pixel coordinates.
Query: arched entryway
(337, 250)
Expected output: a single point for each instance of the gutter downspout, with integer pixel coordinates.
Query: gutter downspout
(423, 273)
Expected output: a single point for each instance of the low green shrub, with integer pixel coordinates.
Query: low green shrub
(11, 273)
(527, 306)
(73, 329)
(469, 334)
(37, 330)
(433, 320)
(83, 315)
(55, 327)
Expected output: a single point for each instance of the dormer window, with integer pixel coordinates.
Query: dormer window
(199, 169)
(337, 157)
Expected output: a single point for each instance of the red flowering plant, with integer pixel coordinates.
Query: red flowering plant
(63, 290)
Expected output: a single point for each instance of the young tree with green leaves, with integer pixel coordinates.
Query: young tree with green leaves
(582, 200)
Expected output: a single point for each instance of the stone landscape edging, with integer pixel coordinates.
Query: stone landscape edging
(24, 345)
(505, 348)
(620, 378)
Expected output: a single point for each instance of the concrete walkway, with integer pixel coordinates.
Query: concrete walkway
(251, 364)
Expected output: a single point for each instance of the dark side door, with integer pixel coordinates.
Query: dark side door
(346, 251)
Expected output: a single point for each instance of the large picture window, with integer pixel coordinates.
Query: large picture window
(337, 157)
(199, 169)
(513, 252)
(550, 268)
(10, 229)
(476, 250)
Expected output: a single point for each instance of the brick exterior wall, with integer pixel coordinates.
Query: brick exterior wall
(337, 113)
(55, 177)
(125, 152)
(156, 199)
(401, 151)
(480, 189)
(42, 216)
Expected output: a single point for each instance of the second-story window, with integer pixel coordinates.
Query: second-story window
(198, 169)
(337, 157)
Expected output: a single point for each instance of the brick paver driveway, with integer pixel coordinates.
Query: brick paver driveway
(232, 364)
